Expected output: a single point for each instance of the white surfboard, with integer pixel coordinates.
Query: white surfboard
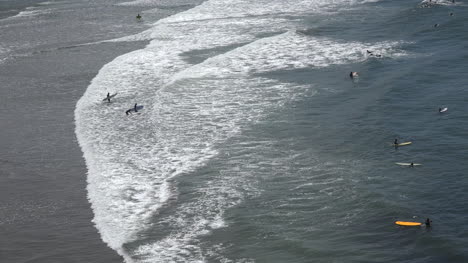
(443, 110)
(409, 164)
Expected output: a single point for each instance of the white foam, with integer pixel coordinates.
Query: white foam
(32, 11)
(189, 110)
(427, 3)
(4, 54)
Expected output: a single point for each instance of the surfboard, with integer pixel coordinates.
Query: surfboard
(111, 96)
(443, 110)
(138, 108)
(408, 164)
(404, 223)
(403, 144)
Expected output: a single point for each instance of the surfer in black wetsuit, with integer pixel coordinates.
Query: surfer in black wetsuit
(411, 165)
(135, 108)
(138, 17)
(353, 74)
(108, 97)
(395, 142)
(428, 222)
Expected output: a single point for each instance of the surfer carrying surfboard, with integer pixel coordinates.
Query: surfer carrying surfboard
(135, 109)
(108, 97)
(395, 143)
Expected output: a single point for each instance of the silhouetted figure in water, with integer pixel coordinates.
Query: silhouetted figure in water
(451, 14)
(395, 142)
(138, 17)
(411, 165)
(108, 97)
(135, 108)
(436, 25)
(428, 222)
(353, 74)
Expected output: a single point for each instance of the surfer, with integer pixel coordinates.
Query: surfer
(395, 142)
(428, 222)
(411, 165)
(440, 109)
(135, 108)
(436, 25)
(138, 17)
(108, 97)
(353, 74)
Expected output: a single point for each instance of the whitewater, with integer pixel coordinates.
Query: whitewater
(203, 80)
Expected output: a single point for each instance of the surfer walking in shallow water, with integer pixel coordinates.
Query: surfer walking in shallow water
(135, 109)
(108, 97)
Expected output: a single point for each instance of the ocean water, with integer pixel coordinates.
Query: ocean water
(254, 145)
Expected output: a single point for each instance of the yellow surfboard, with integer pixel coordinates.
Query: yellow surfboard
(404, 223)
